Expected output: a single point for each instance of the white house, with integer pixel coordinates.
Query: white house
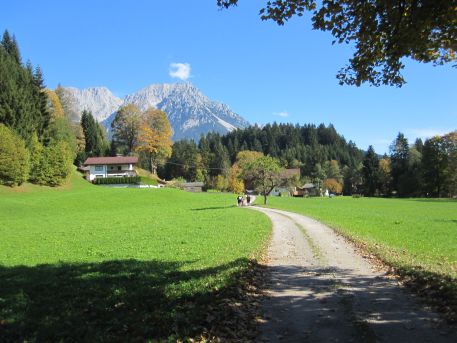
(97, 167)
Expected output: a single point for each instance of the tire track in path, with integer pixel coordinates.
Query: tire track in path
(320, 289)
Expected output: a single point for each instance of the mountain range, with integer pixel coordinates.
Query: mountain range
(189, 111)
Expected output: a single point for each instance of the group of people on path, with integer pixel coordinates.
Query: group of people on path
(245, 200)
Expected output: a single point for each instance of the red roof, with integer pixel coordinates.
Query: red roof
(111, 160)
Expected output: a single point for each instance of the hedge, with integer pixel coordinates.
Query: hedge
(117, 180)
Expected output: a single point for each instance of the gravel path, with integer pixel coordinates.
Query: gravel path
(321, 290)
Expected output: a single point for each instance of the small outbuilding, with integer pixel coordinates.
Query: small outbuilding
(308, 189)
(192, 186)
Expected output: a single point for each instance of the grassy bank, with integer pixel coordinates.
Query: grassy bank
(89, 262)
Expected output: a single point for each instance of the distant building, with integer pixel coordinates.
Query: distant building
(192, 186)
(308, 189)
(102, 167)
(280, 191)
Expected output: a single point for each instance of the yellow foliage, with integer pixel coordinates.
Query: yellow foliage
(54, 105)
(155, 134)
(235, 183)
(384, 166)
(333, 186)
(243, 158)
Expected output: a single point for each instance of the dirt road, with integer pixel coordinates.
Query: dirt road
(321, 290)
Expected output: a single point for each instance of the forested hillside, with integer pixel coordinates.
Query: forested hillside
(37, 142)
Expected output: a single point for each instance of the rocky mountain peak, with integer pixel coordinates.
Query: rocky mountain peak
(190, 112)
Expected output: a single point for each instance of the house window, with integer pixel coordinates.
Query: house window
(119, 168)
(98, 168)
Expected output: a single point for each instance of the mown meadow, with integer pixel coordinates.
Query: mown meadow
(92, 263)
(416, 236)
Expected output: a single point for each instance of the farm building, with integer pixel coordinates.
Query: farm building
(280, 191)
(308, 189)
(193, 186)
(102, 167)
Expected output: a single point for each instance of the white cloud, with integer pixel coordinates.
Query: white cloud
(180, 71)
(283, 114)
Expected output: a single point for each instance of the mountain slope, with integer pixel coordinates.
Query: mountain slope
(99, 100)
(189, 111)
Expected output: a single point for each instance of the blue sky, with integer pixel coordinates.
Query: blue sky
(262, 71)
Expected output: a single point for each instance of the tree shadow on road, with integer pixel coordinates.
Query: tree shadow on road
(325, 304)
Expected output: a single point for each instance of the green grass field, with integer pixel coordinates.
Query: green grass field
(103, 264)
(411, 234)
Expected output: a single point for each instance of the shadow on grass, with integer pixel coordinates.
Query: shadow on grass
(124, 300)
(212, 208)
(434, 200)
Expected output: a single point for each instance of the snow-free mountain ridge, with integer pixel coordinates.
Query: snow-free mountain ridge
(189, 111)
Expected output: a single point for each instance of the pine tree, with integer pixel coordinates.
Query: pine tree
(93, 136)
(41, 100)
(10, 45)
(399, 154)
(434, 164)
(370, 172)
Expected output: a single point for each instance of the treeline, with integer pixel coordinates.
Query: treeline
(421, 169)
(319, 151)
(37, 142)
(325, 159)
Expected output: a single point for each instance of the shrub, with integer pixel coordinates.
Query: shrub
(36, 159)
(117, 180)
(14, 158)
(55, 164)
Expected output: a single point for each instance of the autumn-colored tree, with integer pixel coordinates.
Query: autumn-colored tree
(333, 186)
(54, 106)
(384, 176)
(235, 182)
(154, 137)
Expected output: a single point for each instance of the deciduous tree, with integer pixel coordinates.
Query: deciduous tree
(384, 176)
(333, 186)
(382, 32)
(14, 158)
(265, 173)
(154, 137)
(125, 126)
